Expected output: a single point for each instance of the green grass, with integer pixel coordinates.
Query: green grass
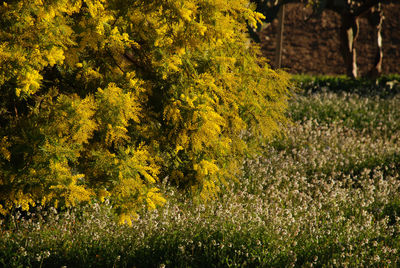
(325, 194)
(384, 86)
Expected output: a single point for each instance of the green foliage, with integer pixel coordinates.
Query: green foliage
(101, 99)
(385, 86)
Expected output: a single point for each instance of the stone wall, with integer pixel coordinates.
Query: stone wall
(311, 45)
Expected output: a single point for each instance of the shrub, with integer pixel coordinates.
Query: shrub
(101, 99)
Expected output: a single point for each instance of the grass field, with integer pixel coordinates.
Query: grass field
(326, 194)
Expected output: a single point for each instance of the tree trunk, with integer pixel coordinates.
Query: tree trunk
(348, 36)
(375, 19)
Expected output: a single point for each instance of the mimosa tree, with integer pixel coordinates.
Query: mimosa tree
(103, 99)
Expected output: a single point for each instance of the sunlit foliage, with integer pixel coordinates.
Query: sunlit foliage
(102, 99)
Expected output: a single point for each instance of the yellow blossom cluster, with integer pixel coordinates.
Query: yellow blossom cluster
(103, 99)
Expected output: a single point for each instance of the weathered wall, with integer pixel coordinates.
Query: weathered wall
(313, 46)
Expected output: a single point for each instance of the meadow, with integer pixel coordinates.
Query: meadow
(327, 193)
